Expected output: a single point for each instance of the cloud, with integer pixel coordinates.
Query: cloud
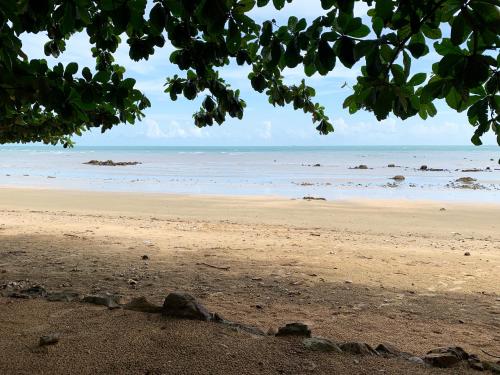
(266, 131)
(172, 130)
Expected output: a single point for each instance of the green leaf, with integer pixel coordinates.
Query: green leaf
(417, 79)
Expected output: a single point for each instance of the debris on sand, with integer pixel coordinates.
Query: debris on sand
(314, 199)
(51, 339)
(111, 163)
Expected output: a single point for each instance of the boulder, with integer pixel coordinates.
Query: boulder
(183, 305)
(294, 329)
(457, 351)
(398, 178)
(442, 360)
(360, 348)
(63, 296)
(141, 304)
(321, 345)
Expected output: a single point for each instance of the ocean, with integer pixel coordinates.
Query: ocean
(293, 172)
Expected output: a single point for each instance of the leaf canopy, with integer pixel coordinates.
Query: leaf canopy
(39, 103)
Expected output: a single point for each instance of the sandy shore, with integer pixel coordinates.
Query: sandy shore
(370, 271)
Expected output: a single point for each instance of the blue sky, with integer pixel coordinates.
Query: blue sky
(171, 124)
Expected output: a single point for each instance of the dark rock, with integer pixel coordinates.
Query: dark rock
(32, 292)
(387, 349)
(467, 254)
(145, 257)
(143, 305)
(360, 348)
(111, 163)
(49, 339)
(454, 350)
(294, 329)
(317, 165)
(441, 359)
(466, 180)
(423, 167)
(475, 365)
(491, 366)
(398, 178)
(361, 166)
(110, 301)
(321, 345)
(184, 306)
(314, 199)
(63, 296)
(391, 166)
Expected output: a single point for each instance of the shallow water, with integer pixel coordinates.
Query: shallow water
(277, 171)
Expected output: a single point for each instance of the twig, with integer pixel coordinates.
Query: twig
(491, 355)
(224, 268)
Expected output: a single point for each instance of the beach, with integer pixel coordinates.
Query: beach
(418, 274)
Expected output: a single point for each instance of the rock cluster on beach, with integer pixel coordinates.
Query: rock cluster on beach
(111, 163)
(182, 305)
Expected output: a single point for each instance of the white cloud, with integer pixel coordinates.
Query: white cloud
(266, 131)
(172, 130)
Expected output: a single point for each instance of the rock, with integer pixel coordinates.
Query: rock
(32, 292)
(132, 282)
(398, 178)
(145, 257)
(466, 180)
(475, 365)
(361, 166)
(143, 305)
(271, 332)
(63, 296)
(183, 305)
(110, 301)
(442, 360)
(416, 360)
(442, 209)
(49, 339)
(387, 349)
(391, 166)
(111, 163)
(491, 366)
(467, 254)
(294, 329)
(321, 345)
(423, 167)
(317, 165)
(457, 351)
(314, 199)
(360, 348)
(239, 327)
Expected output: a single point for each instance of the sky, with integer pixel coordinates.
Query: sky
(170, 123)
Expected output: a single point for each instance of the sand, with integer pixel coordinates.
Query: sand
(370, 271)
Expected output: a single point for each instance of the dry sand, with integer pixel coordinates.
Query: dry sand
(368, 271)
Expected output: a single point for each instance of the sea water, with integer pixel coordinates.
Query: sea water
(292, 172)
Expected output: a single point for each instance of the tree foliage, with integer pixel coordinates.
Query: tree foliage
(51, 104)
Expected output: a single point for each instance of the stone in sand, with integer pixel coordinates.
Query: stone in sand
(49, 339)
(143, 305)
(398, 178)
(110, 301)
(467, 254)
(360, 348)
(457, 351)
(321, 345)
(63, 296)
(391, 166)
(388, 349)
(183, 305)
(294, 329)
(493, 367)
(442, 360)
(423, 167)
